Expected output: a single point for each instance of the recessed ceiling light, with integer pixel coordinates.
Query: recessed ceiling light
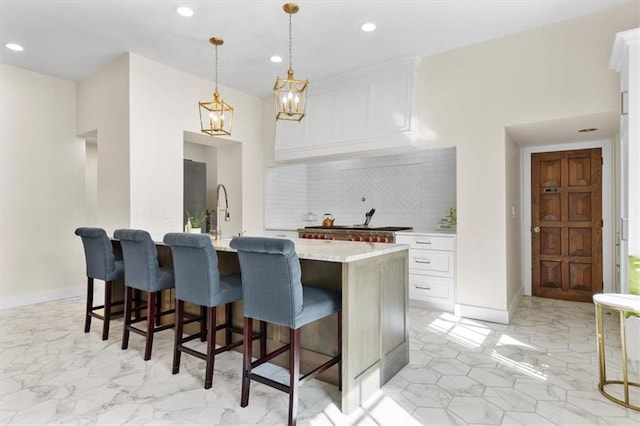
(275, 59)
(184, 11)
(590, 129)
(14, 47)
(368, 27)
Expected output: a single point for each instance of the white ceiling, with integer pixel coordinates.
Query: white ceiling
(73, 39)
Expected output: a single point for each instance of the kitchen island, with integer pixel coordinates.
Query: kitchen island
(373, 280)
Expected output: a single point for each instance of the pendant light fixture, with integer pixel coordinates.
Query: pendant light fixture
(216, 116)
(290, 93)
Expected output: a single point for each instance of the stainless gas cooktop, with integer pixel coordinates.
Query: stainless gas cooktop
(362, 228)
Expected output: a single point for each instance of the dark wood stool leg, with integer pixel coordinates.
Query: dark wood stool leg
(263, 339)
(158, 320)
(246, 360)
(151, 324)
(87, 315)
(178, 336)
(128, 294)
(340, 350)
(294, 374)
(203, 323)
(138, 303)
(107, 310)
(211, 347)
(228, 312)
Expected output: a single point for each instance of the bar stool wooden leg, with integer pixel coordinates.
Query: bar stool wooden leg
(158, 307)
(203, 323)
(138, 304)
(128, 294)
(87, 318)
(211, 347)
(246, 360)
(107, 310)
(228, 312)
(151, 324)
(263, 339)
(294, 374)
(178, 336)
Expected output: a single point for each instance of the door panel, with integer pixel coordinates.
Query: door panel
(566, 224)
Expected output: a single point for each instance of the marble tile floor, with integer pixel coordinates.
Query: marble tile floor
(539, 370)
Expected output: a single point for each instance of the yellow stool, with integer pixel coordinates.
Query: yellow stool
(623, 303)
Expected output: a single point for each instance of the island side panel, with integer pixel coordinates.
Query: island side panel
(375, 339)
(395, 329)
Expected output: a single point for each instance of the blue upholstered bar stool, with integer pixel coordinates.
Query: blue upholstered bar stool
(273, 292)
(142, 272)
(198, 281)
(102, 265)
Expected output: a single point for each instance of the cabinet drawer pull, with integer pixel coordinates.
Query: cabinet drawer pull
(427, 261)
(423, 287)
(423, 242)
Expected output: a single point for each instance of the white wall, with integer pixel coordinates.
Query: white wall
(468, 97)
(138, 109)
(91, 183)
(103, 110)
(163, 105)
(42, 190)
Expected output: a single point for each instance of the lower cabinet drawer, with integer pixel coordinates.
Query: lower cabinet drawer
(428, 242)
(422, 286)
(431, 261)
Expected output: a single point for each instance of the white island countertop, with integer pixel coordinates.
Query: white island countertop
(330, 250)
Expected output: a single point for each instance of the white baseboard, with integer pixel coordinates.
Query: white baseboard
(482, 314)
(40, 297)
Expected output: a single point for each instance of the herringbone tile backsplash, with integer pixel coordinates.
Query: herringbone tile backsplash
(406, 190)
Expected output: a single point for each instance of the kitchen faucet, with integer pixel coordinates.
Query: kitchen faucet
(218, 231)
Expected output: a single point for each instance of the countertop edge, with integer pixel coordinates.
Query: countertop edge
(306, 253)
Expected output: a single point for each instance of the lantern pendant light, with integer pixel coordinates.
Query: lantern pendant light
(216, 116)
(289, 93)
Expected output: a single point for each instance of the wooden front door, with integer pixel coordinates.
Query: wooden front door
(566, 224)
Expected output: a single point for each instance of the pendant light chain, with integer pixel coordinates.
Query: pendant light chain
(216, 67)
(290, 44)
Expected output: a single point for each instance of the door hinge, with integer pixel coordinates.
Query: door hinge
(601, 223)
(601, 160)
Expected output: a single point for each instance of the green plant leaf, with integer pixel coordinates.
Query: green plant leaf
(197, 220)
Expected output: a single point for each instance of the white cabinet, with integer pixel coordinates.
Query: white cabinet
(371, 110)
(431, 268)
